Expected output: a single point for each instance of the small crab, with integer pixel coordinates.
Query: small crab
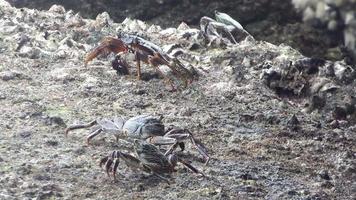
(144, 51)
(149, 159)
(143, 127)
(224, 30)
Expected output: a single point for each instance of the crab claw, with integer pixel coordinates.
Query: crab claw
(107, 45)
(79, 126)
(191, 167)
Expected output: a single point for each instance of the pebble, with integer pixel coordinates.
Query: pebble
(25, 134)
(9, 75)
(57, 120)
(57, 9)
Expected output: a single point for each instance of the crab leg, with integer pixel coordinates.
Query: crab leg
(175, 137)
(107, 45)
(147, 169)
(80, 126)
(155, 62)
(93, 134)
(112, 161)
(176, 64)
(138, 66)
(160, 60)
(190, 167)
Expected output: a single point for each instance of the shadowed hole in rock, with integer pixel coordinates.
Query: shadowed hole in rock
(149, 76)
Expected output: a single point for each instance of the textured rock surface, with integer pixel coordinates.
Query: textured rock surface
(274, 21)
(264, 145)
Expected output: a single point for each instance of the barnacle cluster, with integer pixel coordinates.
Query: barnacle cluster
(336, 15)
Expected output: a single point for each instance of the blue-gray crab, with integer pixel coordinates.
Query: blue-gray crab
(143, 127)
(148, 159)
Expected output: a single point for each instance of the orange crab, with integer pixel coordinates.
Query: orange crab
(144, 51)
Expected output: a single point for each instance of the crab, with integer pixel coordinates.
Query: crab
(143, 127)
(149, 159)
(144, 51)
(224, 30)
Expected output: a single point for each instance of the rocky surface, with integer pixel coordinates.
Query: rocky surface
(256, 106)
(274, 21)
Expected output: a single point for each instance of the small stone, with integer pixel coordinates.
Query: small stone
(187, 112)
(57, 120)
(334, 124)
(154, 29)
(139, 92)
(324, 174)
(183, 26)
(293, 123)
(51, 143)
(194, 46)
(59, 73)
(292, 192)
(9, 75)
(41, 177)
(103, 19)
(57, 9)
(30, 52)
(168, 31)
(79, 151)
(316, 102)
(140, 188)
(5, 4)
(90, 82)
(25, 134)
(339, 113)
(327, 184)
